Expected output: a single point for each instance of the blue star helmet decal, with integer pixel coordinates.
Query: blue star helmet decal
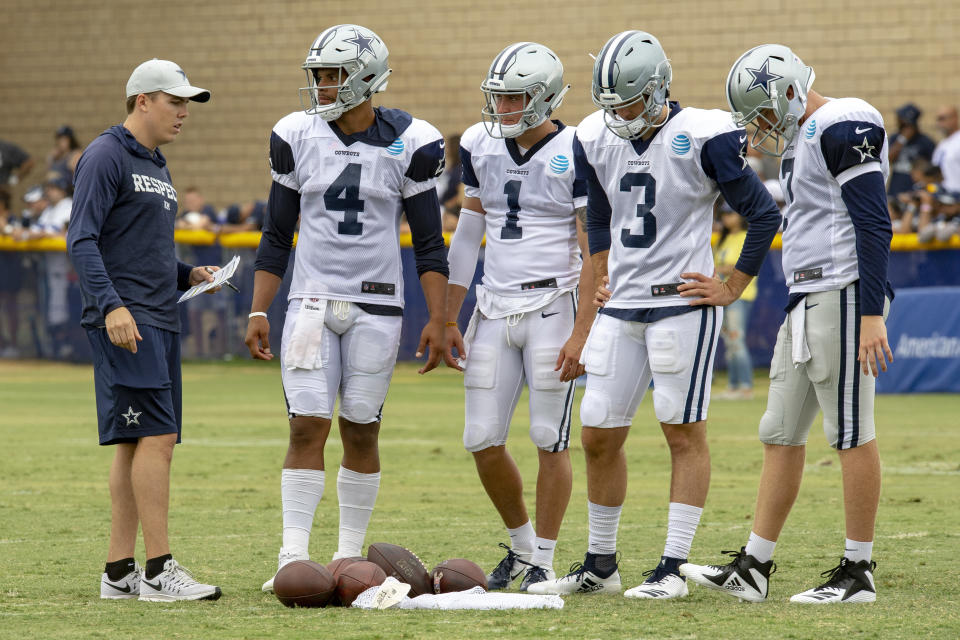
(362, 42)
(762, 77)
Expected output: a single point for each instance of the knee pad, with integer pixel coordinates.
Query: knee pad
(545, 437)
(371, 350)
(480, 434)
(594, 409)
(481, 372)
(668, 405)
(361, 401)
(543, 377)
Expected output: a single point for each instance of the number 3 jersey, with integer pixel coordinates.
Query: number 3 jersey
(529, 198)
(352, 192)
(658, 196)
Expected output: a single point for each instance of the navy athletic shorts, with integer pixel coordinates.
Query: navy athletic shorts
(138, 394)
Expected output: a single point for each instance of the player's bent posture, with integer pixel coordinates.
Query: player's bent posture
(521, 190)
(653, 172)
(836, 243)
(347, 171)
(120, 241)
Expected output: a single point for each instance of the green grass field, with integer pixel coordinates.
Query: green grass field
(225, 518)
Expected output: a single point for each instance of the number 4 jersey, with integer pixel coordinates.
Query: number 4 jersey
(353, 189)
(658, 195)
(529, 198)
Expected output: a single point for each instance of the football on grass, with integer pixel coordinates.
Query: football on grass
(335, 567)
(457, 574)
(403, 565)
(356, 578)
(303, 583)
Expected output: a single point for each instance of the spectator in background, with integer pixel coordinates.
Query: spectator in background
(11, 268)
(737, 314)
(450, 184)
(906, 145)
(198, 215)
(52, 223)
(65, 154)
(947, 154)
(36, 201)
(238, 218)
(15, 163)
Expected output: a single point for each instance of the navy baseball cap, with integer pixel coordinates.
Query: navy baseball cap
(909, 113)
(65, 130)
(59, 181)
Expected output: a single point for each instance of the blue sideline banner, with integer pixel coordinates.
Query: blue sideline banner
(923, 330)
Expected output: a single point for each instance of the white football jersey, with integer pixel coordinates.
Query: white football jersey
(841, 140)
(529, 199)
(660, 194)
(351, 199)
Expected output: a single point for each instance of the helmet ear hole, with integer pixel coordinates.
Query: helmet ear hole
(549, 98)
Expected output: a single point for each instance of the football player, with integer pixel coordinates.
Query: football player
(347, 170)
(521, 191)
(653, 172)
(836, 243)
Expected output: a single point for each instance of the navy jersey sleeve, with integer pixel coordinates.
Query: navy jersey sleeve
(598, 206)
(852, 143)
(98, 177)
(279, 224)
(748, 197)
(426, 228)
(427, 162)
(865, 199)
(466, 164)
(724, 157)
(281, 155)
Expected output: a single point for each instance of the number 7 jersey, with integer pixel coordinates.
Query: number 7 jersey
(352, 191)
(659, 196)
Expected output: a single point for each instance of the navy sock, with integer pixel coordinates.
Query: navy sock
(671, 565)
(155, 565)
(603, 565)
(117, 569)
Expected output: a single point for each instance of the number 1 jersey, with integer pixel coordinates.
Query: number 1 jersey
(351, 196)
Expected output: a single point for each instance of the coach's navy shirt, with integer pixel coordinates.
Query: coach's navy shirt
(120, 237)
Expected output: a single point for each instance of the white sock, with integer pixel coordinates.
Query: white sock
(521, 538)
(300, 493)
(603, 528)
(681, 526)
(543, 552)
(760, 548)
(357, 493)
(856, 551)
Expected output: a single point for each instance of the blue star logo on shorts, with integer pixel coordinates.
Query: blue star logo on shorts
(133, 417)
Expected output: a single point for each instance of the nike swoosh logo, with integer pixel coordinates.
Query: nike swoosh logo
(542, 548)
(153, 586)
(858, 130)
(125, 589)
(811, 306)
(743, 139)
(547, 315)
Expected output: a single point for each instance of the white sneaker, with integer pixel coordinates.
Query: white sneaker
(175, 583)
(660, 585)
(581, 579)
(125, 588)
(744, 577)
(848, 582)
(285, 558)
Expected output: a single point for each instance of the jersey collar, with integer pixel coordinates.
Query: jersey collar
(387, 126)
(522, 158)
(640, 145)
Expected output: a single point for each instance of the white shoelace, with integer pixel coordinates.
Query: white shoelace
(181, 578)
(512, 321)
(340, 308)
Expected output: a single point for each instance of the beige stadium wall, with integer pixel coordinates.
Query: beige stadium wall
(68, 61)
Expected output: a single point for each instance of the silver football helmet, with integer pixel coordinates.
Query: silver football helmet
(361, 57)
(632, 68)
(523, 69)
(757, 89)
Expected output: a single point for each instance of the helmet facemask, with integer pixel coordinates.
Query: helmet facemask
(653, 98)
(347, 98)
(533, 96)
(772, 132)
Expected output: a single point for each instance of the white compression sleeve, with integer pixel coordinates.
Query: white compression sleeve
(465, 247)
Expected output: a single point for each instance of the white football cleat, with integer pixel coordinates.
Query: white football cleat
(660, 585)
(125, 588)
(848, 582)
(175, 583)
(285, 558)
(744, 577)
(581, 579)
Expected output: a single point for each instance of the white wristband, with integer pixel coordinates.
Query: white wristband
(261, 314)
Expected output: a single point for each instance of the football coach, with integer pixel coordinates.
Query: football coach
(120, 240)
